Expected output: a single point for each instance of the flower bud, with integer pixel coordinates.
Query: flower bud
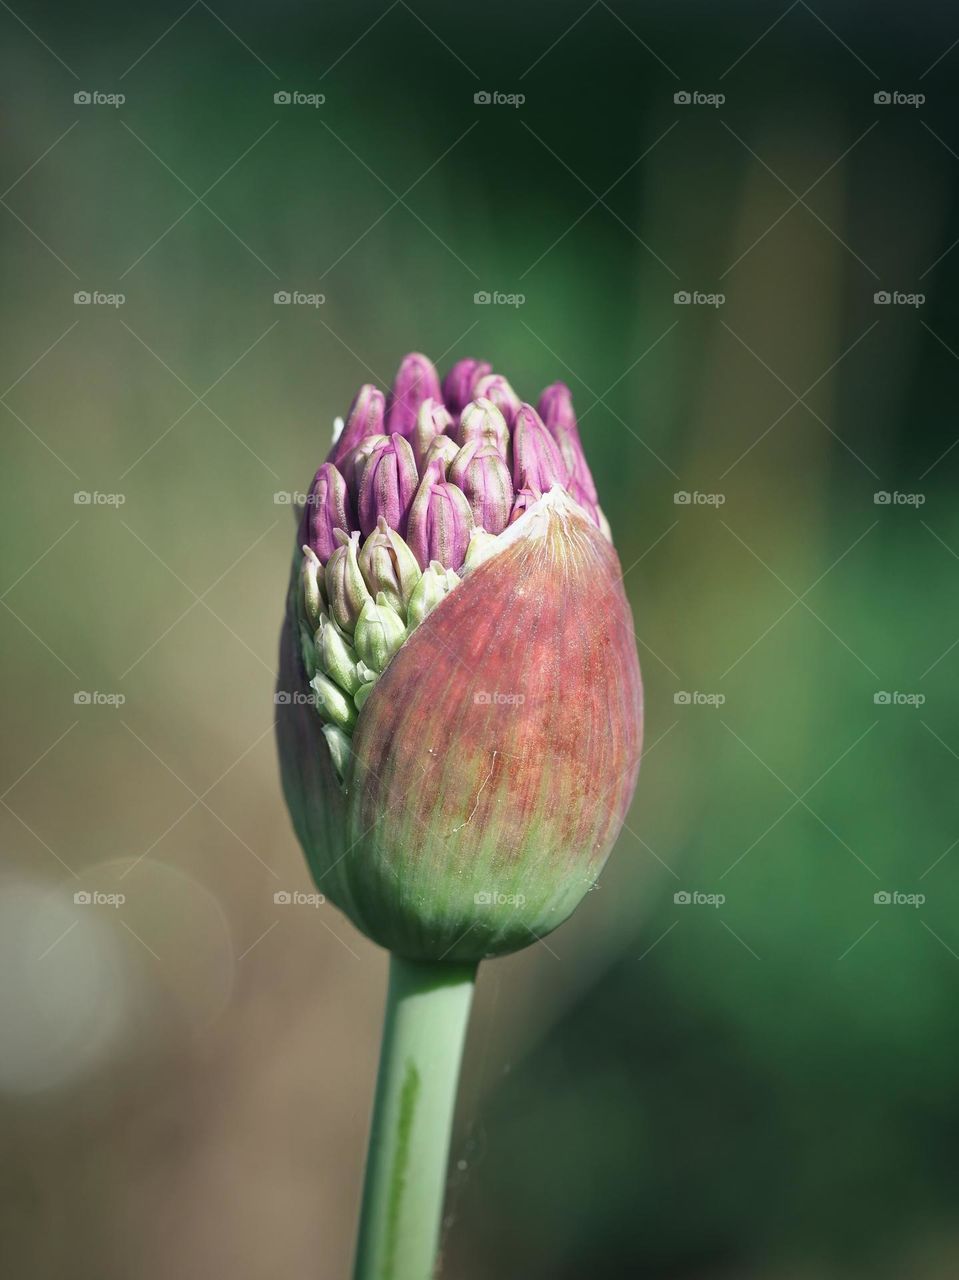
(537, 462)
(432, 420)
(556, 410)
(481, 473)
(435, 583)
(379, 633)
(482, 545)
(311, 587)
(336, 706)
(388, 485)
(442, 450)
(389, 566)
(336, 657)
(461, 727)
(328, 508)
(459, 382)
(440, 520)
(481, 420)
(341, 748)
(354, 463)
(494, 387)
(345, 588)
(365, 419)
(416, 381)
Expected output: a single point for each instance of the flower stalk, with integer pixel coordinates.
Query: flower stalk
(427, 1010)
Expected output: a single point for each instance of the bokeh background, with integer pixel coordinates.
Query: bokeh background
(760, 1087)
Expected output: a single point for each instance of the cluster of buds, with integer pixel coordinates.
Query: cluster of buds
(461, 712)
(414, 492)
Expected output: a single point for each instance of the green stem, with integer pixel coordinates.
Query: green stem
(427, 1009)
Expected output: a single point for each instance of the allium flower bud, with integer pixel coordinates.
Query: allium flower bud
(432, 420)
(332, 703)
(416, 381)
(461, 727)
(459, 382)
(379, 633)
(481, 473)
(389, 566)
(442, 450)
(481, 420)
(556, 410)
(388, 485)
(345, 585)
(435, 583)
(311, 587)
(495, 387)
(365, 418)
(336, 657)
(440, 520)
(328, 508)
(537, 462)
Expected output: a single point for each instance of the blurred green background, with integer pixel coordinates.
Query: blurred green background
(762, 1087)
